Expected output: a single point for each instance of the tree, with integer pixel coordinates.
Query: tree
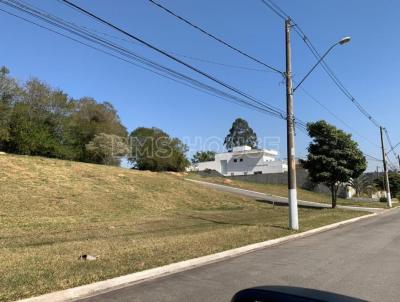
(202, 156)
(394, 183)
(240, 134)
(38, 122)
(36, 119)
(107, 149)
(9, 94)
(90, 118)
(333, 157)
(153, 149)
(361, 184)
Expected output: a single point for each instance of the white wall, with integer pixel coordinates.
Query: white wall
(247, 162)
(212, 165)
(250, 164)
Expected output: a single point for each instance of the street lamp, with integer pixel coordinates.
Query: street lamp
(292, 186)
(343, 41)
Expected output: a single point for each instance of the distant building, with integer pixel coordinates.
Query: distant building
(244, 160)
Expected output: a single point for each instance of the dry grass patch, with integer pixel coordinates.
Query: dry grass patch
(51, 211)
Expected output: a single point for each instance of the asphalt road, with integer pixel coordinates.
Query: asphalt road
(359, 260)
(277, 199)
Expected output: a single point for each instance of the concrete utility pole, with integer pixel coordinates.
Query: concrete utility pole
(398, 158)
(389, 199)
(291, 161)
(293, 213)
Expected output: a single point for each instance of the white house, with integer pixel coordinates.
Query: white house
(244, 161)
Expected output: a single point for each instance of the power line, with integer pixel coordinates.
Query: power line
(218, 63)
(178, 76)
(210, 77)
(202, 89)
(277, 10)
(278, 112)
(282, 14)
(392, 166)
(336, 81)
(304, 130)
(372, 157)
(392, 149)
(195, 58)
(338, 117)
(214, 37)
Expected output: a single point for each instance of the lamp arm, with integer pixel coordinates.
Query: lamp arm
(316, 64)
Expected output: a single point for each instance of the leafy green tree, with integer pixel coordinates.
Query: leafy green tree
(360, 184)
(107, 149)
(29, 135)
(90, 118)
(37, 124)
(153, 149)
(240, 134)
(333, 157)
(9, 94)
(202, 156)
(394, 183)
(36, 119)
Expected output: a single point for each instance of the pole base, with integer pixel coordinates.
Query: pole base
(293, 213)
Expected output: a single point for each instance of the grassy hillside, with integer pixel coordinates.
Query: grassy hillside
(51, 211)
(281, 190)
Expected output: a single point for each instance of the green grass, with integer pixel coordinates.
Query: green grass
(281, 190)
(51, 211)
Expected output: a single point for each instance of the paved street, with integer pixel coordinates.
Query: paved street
(359, 260)
(277, 199)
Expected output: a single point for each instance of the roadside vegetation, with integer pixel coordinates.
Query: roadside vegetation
(334, 158)
(394, 182)
(281, 190)
(36, 119)
(52, 211)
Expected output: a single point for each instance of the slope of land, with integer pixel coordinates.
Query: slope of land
(51, 211)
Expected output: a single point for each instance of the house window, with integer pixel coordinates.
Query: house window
(245, 173)
(241, 159)
(235, 160)
(258, 172)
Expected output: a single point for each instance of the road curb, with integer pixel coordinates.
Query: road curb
(96, 288)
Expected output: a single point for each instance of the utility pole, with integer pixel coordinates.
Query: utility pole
(389, 199)
(293, 214)
(398, 158)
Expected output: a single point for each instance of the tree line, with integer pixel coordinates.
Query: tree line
(37, 119)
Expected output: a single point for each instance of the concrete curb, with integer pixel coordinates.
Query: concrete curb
(96, 288)
(357, 208)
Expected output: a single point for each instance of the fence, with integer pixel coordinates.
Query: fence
(302, 178)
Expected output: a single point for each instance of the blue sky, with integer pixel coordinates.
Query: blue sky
(369, 66)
